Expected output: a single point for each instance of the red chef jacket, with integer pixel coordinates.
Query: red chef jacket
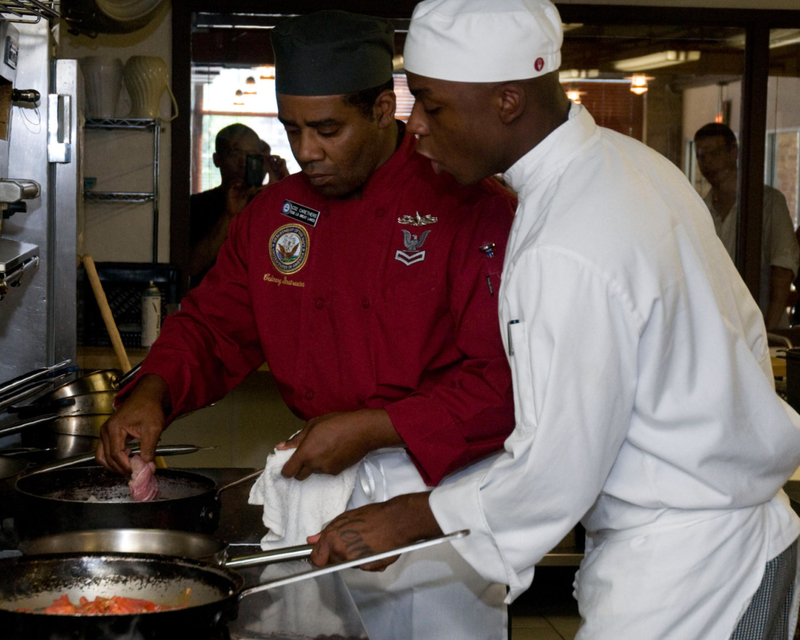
(352, 308)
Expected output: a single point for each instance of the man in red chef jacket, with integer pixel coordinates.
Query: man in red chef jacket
(368, 282)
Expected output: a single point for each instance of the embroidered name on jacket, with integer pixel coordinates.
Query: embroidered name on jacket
(300, 212)
(288, 248)
(413, 244)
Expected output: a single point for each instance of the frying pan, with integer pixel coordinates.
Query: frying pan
(95, 381)
(183, 544)
(34, 382)
(65, 435)
(15, 385)
(189, 502)
(102, 380)
(12, 467)
(33, 582)
(95, 402)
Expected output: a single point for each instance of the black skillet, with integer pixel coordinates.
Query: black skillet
(93, 498)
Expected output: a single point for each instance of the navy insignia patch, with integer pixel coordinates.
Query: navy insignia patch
(413, 244)
(418, 220)
(300, 212)
(288, 248)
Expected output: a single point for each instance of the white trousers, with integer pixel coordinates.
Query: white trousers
(432, 594)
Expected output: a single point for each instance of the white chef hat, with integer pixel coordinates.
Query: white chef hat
(483, 40)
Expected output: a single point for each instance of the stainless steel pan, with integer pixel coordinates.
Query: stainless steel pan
(103, 380)
(96, 402)
(33, 382)
(208, 595)
(65, 435)
(182, 544)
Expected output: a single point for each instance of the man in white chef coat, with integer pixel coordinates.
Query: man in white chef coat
(643, 389)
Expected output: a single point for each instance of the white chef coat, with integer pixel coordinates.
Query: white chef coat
(778, 243)
(644, 399)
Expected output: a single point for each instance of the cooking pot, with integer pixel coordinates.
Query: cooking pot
(93, 498)
(208, 595)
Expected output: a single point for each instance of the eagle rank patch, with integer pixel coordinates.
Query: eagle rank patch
(288, 248)
(413, 244)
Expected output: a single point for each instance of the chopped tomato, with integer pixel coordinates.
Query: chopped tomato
(104, 606)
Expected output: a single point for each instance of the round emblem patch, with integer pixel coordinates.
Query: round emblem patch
(539, 64)
(288, 248)
(287, 207)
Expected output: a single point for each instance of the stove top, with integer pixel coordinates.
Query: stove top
(315, 609)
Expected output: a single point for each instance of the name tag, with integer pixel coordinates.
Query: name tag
(300, 212)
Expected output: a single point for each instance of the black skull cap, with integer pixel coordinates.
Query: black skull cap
(332, 52)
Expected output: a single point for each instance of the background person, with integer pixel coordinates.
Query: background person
(362, 283)
(643, 388)
(717, 152)
(211, 212)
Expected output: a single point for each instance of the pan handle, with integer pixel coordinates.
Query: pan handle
(37, 375)
(314, 573)
(19, 426)
(34, 385)
(125, 378)
(277, 555)
(163, 450)
(24, 394)
(249, 476)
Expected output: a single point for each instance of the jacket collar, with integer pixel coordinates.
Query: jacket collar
(388, 171)
(552, 153)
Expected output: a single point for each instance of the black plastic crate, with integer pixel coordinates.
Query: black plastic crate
(123, 284)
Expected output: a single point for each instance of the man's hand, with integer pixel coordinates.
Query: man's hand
(276, 168)
(375, 528)
(142, 416)
(333, 442)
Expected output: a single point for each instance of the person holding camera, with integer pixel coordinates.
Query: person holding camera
(243, 160)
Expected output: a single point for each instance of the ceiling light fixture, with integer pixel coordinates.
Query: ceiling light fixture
(574, 94)
(250, 86)
(656, 60)
(266, 72)
(639, 84)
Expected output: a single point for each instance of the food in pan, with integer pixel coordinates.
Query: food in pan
(143, 483)
(100, 606)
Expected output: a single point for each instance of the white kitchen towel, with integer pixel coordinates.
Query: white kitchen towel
(294, 510)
